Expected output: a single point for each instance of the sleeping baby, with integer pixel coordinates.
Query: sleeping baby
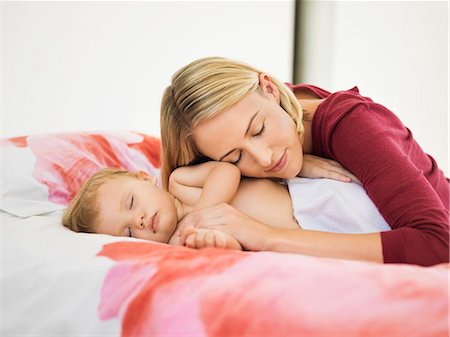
(123, 203)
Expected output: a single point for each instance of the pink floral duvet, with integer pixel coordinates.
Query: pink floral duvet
(157, 290)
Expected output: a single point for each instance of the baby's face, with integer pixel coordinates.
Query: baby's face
(136, 208)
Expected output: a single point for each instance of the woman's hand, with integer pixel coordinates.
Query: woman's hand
(255, 236)
(317, 167)
(251, 234)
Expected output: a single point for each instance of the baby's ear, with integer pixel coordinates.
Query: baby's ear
(145, 176)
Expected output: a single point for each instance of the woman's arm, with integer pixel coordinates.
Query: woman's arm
(256, 236)
(404, 182)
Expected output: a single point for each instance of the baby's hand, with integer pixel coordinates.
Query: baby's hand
(203, 238)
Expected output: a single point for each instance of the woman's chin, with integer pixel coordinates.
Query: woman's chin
(290, 171)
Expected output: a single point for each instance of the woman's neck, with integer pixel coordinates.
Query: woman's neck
(309, 107)
(307, 138)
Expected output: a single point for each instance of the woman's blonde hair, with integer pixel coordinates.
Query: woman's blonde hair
(201, 90)
(83, 210)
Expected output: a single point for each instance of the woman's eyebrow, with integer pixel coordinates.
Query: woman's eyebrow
(246, 132)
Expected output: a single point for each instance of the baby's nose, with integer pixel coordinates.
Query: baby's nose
(139, 222)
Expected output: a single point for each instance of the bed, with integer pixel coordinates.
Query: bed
(59, 283)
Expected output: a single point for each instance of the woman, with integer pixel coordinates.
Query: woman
(228, 111)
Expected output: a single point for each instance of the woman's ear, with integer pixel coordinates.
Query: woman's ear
(268, 88)
(145, 176)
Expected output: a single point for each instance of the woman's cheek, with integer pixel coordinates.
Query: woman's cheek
(251, 172)
(293, 166)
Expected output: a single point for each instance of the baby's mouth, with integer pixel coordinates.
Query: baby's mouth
(154, 223)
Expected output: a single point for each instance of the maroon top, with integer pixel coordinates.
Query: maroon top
(403, 181)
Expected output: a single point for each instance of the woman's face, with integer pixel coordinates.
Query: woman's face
(256, 134)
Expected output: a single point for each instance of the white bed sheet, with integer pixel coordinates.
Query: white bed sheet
(45, 268)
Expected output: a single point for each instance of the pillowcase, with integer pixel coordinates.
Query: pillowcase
(42, 173)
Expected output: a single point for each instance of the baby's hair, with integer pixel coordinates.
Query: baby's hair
(83, 210)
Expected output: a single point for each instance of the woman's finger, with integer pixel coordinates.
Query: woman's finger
(200, 239)
(194, 225)
(345, 175)
(190, 240)
(317, 167)
(338, 172)
(210, 240)
(186, 232)
(220, 241)
(335, 175)
(334, 163)
(248, 232)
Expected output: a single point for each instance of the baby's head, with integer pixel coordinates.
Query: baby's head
(122, 203)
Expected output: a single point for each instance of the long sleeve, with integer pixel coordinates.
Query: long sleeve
(404, 182)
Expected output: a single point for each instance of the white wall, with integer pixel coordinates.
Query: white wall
(395, 51)
(71, 66)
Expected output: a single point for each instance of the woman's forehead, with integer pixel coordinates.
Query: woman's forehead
(224, 131)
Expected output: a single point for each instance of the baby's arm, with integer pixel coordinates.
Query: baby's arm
(205, 185)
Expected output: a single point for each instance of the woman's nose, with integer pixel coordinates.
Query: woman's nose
(262, 155)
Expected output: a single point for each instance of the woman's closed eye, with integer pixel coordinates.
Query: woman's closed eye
(261, 131)
(235, 162)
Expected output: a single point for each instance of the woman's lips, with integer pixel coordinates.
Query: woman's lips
(280, 164)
